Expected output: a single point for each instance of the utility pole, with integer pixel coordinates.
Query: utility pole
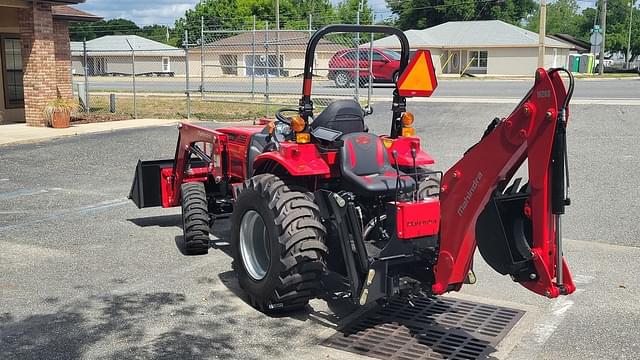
(357, 77)
(542, 32)
(603, 24)
(277, 37)
(629, 39)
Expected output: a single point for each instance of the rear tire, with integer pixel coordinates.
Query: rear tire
(280, 260)
(195, 218)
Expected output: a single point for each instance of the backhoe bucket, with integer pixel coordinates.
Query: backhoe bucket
(504, 232)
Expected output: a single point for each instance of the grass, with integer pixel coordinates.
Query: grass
(176, 108)
(606, 76)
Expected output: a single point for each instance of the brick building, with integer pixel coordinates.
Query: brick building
(35, 58)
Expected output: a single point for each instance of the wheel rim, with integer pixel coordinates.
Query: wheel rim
(342, 79)
(254, 245)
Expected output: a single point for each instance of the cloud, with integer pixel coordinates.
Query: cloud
(142, 12)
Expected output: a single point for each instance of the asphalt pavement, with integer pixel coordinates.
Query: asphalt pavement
(85, 274)
(626, 88)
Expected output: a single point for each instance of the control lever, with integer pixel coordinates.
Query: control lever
(394, 154)
(414, 153)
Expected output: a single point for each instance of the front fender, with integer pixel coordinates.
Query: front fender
(297, 159)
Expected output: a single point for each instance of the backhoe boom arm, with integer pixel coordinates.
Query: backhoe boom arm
(475, 184)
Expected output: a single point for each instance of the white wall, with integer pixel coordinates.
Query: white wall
(122, 64)
(293, 63)
(512, 61)
(523, 61)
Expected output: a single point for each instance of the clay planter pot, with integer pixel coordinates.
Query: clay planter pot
(60, 119)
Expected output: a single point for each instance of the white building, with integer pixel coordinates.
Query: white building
(482, 47)
(112, 55)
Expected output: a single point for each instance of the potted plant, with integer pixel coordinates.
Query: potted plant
(59, 111)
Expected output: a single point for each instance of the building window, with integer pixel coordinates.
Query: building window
(262, 66)
(97, 66)
(478, 60)
(166, 65)
(12, 72)
(229, 64)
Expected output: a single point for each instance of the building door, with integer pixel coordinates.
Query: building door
(453, 66)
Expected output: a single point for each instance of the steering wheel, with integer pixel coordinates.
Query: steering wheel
(284, 119)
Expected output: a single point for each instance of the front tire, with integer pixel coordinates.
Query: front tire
(195, 218)
(395, 77)
(342, 79)
(277, 245)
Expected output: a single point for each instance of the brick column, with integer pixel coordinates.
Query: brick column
(63, 58)
(38, 61)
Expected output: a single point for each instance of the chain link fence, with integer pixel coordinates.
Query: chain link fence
(223, 74)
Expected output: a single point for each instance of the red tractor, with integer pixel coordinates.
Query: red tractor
(312, 195)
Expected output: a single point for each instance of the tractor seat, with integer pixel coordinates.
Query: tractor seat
(366, 169)
(345, 116)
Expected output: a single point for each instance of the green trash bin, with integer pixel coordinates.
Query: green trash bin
(575, 63)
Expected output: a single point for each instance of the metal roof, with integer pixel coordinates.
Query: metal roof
(289, 41)
(467, 34)
(118, 45)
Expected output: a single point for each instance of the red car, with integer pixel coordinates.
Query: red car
(342, 66)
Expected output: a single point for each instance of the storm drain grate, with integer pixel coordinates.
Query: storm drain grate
(433, 328)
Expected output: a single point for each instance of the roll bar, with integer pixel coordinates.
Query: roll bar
(306, 105)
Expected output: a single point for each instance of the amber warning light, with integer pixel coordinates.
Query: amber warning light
(419, 78)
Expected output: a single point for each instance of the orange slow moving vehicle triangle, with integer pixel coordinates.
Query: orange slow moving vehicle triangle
(419, 79)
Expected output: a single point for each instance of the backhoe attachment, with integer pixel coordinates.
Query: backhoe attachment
(517, 229)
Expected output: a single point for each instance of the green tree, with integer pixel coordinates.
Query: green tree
(346, 12)
(420, 14)
(618, 12)
(238, 14)
(562, 18)
(81, 30)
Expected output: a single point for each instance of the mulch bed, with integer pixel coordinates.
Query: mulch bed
(97, 118)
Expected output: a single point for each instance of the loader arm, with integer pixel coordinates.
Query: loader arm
(187, 139)
(476, 182)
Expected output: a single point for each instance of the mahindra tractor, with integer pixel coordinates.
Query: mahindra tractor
(314, 194)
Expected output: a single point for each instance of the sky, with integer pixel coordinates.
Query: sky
(163, 12)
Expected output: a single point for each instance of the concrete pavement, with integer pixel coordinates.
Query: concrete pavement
(585, 88)
(85, 274)
(20, 133)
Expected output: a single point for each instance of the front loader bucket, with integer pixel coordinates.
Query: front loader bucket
(146, 190)
(504, 232)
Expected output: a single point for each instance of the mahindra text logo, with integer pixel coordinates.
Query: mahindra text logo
(542, 94)
(420, 223)
(469, 194)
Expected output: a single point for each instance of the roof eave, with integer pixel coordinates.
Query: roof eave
(77, 18)
(64, 2)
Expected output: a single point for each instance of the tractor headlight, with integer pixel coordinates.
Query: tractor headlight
(407, 119)
(297, 123)
(407, 124)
